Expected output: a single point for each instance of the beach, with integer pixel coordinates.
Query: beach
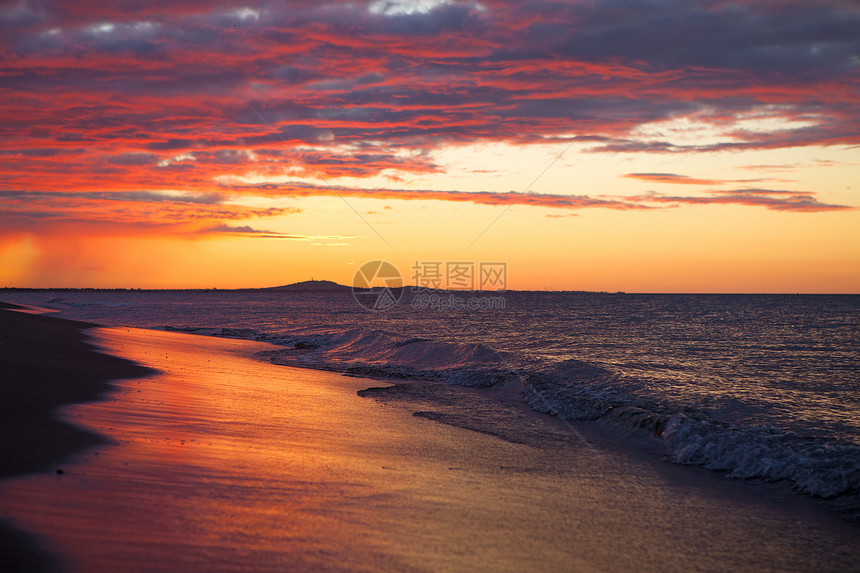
(204, 457)
(45, 363)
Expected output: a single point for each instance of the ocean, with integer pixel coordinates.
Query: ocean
(756, 386)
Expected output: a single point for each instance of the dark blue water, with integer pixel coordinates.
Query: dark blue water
(754, 385)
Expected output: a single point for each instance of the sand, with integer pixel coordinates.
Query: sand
(222, 462)
(44, 363)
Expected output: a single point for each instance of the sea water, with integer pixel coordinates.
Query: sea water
(757, 386)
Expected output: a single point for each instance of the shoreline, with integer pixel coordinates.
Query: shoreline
(639, 431)
(439, 495)
(47, 362)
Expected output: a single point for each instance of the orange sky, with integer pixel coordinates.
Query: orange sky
(666, 147)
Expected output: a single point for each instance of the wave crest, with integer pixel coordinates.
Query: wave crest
(578, 390)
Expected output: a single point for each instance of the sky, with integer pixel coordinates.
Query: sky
(644, 146)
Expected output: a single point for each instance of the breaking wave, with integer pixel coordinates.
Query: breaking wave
(577, 390)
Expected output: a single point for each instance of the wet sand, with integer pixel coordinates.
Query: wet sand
(222, 462)
(45, 362)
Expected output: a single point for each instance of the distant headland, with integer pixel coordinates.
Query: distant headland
(310, 286)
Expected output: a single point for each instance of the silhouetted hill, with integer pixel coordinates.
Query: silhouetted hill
(310, 286)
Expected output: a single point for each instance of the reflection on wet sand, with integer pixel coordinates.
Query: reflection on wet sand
(226, 463)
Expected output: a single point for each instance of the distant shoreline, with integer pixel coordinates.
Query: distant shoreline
(347, 289)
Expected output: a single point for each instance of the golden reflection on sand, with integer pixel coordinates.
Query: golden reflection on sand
(221, 459)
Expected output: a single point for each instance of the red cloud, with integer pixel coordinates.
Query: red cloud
(123, 96)
(166, 213)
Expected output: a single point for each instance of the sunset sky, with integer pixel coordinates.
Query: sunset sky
(645, 146)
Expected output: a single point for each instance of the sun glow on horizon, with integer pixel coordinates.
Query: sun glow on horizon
(247, 146)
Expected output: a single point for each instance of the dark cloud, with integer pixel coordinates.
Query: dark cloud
(132, 159)
(133, 196)
(774, 39)
(247, 231)
(171, 145)
(135, 211)
(128, 94)
(250, 232)
(777, 200)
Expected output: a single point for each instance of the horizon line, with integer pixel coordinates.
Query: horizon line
(578, 291)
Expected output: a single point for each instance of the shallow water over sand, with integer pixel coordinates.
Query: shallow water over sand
(226, 463)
